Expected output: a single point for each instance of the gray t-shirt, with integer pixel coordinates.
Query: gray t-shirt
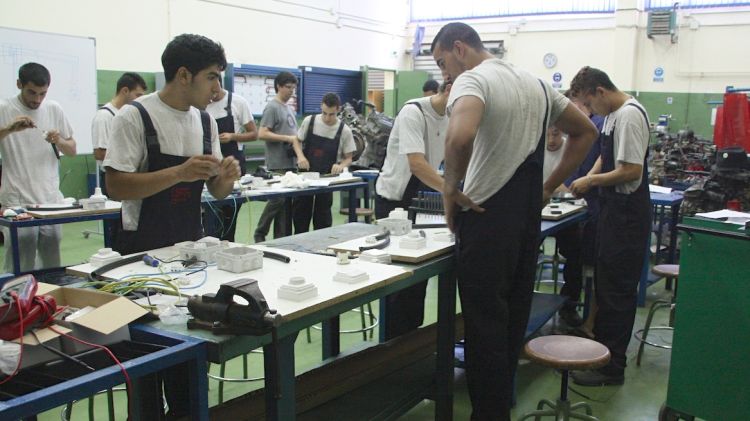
(631, 139)
(511, 126)
(280, 119)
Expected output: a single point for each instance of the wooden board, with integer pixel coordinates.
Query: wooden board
(565, 209)
(316, 269)
(110, 206)
(398, 254)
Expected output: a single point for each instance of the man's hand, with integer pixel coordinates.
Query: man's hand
(199, 167)
(580, 186)
(226, 137)
(53, 136)
(20, 123)
(453, 200)
(229, 169)
(303, 163)
(337, 169)
(290, 139)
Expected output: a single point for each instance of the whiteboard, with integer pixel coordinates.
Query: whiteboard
(71, 61)
(258, 90)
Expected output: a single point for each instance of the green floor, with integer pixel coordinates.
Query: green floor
(639, 399)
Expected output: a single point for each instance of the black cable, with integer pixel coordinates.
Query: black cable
(96, 275)
(60, 353)
(276, 256)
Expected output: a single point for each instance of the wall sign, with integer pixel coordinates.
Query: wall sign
(659, 74)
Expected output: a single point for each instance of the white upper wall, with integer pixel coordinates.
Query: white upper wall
(131, 35)
(347, 34)
(708, 56)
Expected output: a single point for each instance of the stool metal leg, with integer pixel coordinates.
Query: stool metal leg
(655, 306)
(583, 405)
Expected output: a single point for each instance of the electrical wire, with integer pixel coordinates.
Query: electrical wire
(111, 355)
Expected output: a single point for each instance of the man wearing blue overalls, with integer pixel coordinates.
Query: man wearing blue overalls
(624, 216)
(327, 145)
(163, 148)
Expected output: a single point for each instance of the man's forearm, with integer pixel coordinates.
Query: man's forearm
(269, 136)
(245, 137)
(622, 174)
(67, 146)
(425, 173)
(133, 186)
(457, 156)
(576, 149)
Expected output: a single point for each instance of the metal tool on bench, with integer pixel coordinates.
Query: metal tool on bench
(220, 314)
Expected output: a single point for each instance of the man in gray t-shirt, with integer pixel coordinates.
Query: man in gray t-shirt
(278, 128)
(495, 144)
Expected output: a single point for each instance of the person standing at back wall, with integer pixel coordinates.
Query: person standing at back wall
(236, 126)
(129, 87)
(278, 128)
(32, 131)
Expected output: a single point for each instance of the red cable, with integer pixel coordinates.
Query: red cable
(20, 335)
(111, 355)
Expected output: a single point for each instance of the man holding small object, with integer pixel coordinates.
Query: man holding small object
(32, 131)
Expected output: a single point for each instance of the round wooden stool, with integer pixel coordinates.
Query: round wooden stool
(670, 272)
(565, 353)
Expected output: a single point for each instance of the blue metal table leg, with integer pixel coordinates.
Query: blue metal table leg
(14, 247)
(383, 324)
(198, 375)
(280, 398)
(446, 338)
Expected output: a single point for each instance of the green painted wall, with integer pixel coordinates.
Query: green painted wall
(409, 85)
(106, 83)
(688, 110)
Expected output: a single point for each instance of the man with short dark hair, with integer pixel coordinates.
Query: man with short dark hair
(416, 148)
(430, 87)
(278, 128)
(164, 147)
(28, 126)
(323, 144)
(624, 217)
(129, 87)
(495, 145)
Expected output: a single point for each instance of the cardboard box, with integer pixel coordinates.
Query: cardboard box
(106, 324)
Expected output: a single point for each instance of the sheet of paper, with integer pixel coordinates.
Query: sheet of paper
(733, 217)
(659, 189)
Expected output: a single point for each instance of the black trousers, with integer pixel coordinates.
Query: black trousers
(569, 244)
(316, 208)
(497, 252)
(274, 212)
(624, 225)
(404, 310)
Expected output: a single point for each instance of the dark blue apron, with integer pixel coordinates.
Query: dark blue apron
(226, 125)
(321, 151)
(174, 214)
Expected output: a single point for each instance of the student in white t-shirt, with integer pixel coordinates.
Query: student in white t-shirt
(624, 223)
(32, 131)
(553, 151)
(129, 87)
(236, 126)
(323, 144)
(163, 148)
(415, 150)
(499, 115)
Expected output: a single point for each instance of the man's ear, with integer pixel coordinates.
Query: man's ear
(184, 75)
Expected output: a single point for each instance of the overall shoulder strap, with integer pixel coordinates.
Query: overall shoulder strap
(206, 123)
(310, 127)
(152, 139)
(108, 110)
(229, 104)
